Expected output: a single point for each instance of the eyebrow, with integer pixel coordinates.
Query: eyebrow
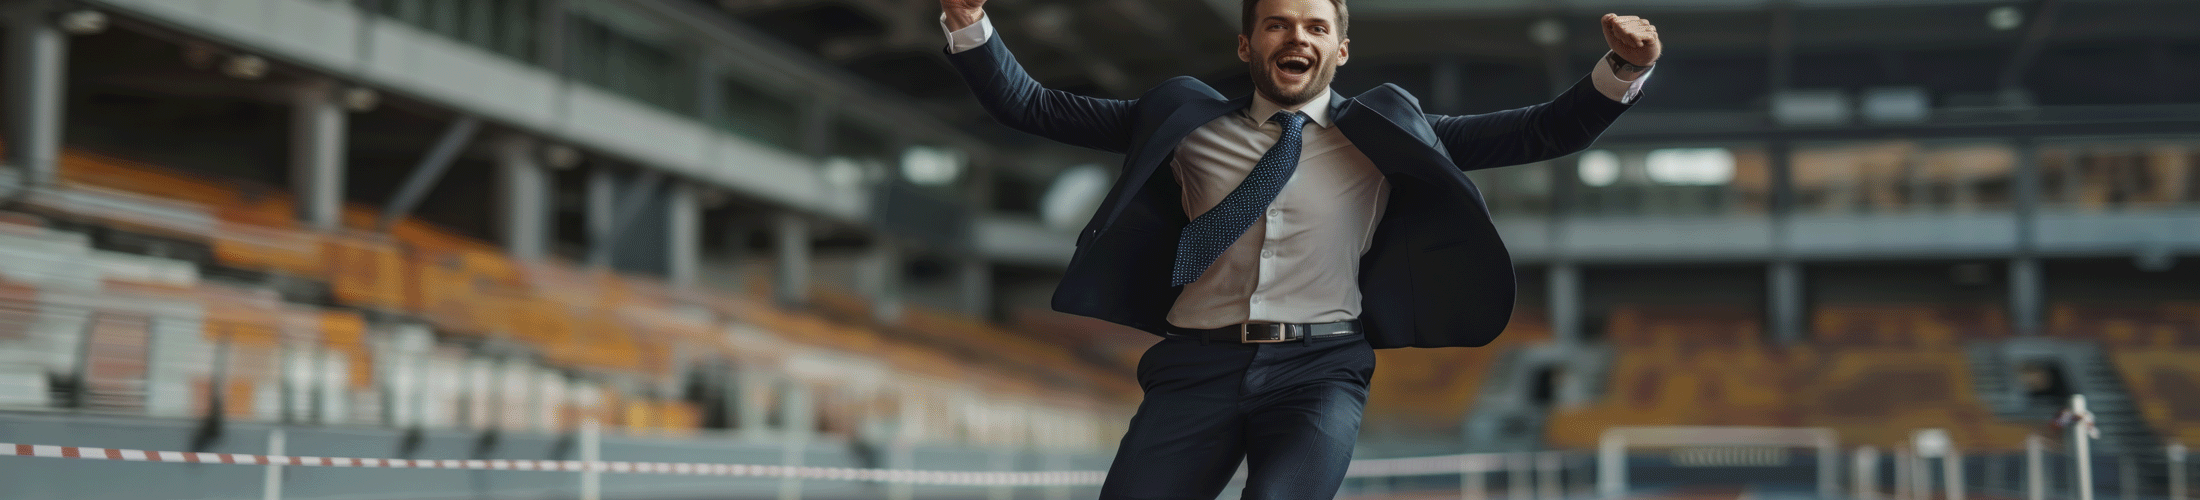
(1286, 19)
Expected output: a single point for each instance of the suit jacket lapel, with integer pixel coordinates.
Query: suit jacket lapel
(1163, 141)
(1388, 127)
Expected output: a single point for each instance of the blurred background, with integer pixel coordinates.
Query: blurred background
(782, 232)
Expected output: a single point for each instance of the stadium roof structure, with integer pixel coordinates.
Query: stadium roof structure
(1728, 55)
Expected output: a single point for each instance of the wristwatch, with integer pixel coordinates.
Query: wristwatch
(1620, 64)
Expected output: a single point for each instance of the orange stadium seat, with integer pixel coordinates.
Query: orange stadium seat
(2166, 385)
(2159, 325)
(1870, 395)
(1907, 324)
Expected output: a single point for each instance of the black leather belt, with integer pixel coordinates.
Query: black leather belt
(1268, 333)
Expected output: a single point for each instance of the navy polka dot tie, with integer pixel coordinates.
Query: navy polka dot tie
(1207, 236)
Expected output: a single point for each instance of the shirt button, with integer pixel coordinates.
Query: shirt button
(1256, 299)
(1267, 254)
(1274, 212)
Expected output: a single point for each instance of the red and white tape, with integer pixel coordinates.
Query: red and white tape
(928, 477)
(1416, 466)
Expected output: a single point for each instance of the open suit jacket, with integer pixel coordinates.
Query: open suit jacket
(1435, 275)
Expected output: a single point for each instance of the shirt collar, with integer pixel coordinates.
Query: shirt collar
(1316, 109)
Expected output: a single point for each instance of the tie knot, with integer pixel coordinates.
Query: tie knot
(1289, 119)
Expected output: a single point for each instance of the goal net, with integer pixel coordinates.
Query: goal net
(1716, 447)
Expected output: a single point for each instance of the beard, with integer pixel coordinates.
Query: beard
(1264, 81)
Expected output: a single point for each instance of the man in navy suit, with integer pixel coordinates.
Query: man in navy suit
(1273, 240)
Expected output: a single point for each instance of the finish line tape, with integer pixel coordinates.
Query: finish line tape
(946, 478)
(1437, 465)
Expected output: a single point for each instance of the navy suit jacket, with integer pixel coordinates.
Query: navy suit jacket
(1436, 274)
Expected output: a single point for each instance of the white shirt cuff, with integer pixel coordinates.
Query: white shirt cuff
(970, 37)
(1611, 86)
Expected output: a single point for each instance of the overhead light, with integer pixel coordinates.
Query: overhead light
(360, 99)
(1811, 107)
(931, 166)
(200, 55)
(560, 156)
(1690, 166)
(1076, 192)
(2004, 18)
(245, 67)
(82, 22)
(1547, 32)
(1896, 105)
(1599, 168)
(842, 172)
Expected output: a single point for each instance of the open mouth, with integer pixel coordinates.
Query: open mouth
(1294, 65)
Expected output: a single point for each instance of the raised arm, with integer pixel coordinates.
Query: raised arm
(1021, 103)
(1568, 123)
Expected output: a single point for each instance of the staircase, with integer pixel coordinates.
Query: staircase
(1505, 417)
(2087, 370)
(2123, 430)
(1993, 378)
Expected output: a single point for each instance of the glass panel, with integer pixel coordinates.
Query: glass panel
(2113, 175)
(1690, 180)
(1903, 176)
(506, 27)
(761, 115)
(608, 52)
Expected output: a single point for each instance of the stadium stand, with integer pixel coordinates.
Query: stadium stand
(1431, 389)
(247, 341)
(1882, 371)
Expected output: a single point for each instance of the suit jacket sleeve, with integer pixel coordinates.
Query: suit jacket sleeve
(1021, 103)
(1563, 126)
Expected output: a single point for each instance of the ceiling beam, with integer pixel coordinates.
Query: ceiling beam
(2036, 29)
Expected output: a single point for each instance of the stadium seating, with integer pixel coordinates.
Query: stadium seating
(1435, 388)
(1936, 326)
(1878, 372)
(623, 327)
(2162, 325)
(2166, 385)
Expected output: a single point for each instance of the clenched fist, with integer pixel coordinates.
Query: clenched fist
(961, 13)
(1632, 38)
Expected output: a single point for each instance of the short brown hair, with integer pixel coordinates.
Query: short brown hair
(1344, 18)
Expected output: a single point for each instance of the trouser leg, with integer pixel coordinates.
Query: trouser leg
(1301, 427)
(1187, 438)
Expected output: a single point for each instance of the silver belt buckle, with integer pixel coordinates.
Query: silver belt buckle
(1269, 332)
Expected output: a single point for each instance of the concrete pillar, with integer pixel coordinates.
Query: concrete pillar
(750, 410)
(2027, 295)
(1565, 302)
(797, 410)
(791, 274)
(2027, 289)
(317, 142)
(684, 234)
(881, 279)
(37, 61)
(1784, 295)
(523, 198)
(603, 205)
(976, 280)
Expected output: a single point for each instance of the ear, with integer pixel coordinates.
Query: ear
(1245, 49)
(1344, 51)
